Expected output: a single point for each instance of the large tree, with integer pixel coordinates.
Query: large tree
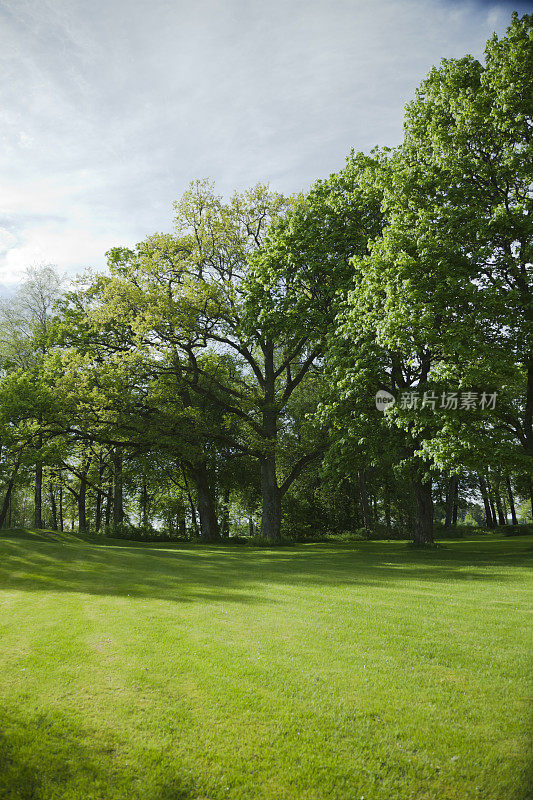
(25, 325)
(182, 308)
(446, 289)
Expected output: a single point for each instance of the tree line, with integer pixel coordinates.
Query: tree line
(221, 379)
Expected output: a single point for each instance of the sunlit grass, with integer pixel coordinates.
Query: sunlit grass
(318, 671)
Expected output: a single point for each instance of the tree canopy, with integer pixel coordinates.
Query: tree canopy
(221, 379)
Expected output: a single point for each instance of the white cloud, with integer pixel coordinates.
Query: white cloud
(7, 240)
(70, 249)
(109, 109)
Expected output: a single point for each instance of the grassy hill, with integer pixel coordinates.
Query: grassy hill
(317, 672)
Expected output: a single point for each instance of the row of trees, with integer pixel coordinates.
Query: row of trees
(222, 377)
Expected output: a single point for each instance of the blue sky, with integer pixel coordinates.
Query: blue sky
(109, 108)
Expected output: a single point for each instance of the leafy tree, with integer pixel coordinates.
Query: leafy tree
(446, 289)
(25, 323)
(188, 303)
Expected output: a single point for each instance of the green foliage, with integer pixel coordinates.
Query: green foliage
(221, 378)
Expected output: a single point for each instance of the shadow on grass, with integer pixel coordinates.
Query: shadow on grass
(49, 756)
(187, 572)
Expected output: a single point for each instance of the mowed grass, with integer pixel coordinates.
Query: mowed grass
(324, 672)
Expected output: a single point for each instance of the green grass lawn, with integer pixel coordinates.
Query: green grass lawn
(324, 672)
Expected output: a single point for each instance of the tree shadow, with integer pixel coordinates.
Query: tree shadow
(49, 755)
(185, 573)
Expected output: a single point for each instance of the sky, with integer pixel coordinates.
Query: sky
(110, 108)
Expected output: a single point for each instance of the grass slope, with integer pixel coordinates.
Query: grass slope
(324, 672)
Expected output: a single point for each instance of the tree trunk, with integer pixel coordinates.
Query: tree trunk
(365, 506)
(7, 496)
(455, 502)
(61, 523)
(493, 509)
(99, 497)
(511, 501)
(489, 519)
(491, 503)
(355, 506)
(209, 530)
(501, 516)
(98, 511)
(450, 500)
(5, 504)
(108, 506)
(38, 494)
(53, 505)
(118, 507)
(143, 503)
(271, 502)
(424, 512)
(225, 513)
(192, 507)
(528, 416)
(270, 492)
(82, 498)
